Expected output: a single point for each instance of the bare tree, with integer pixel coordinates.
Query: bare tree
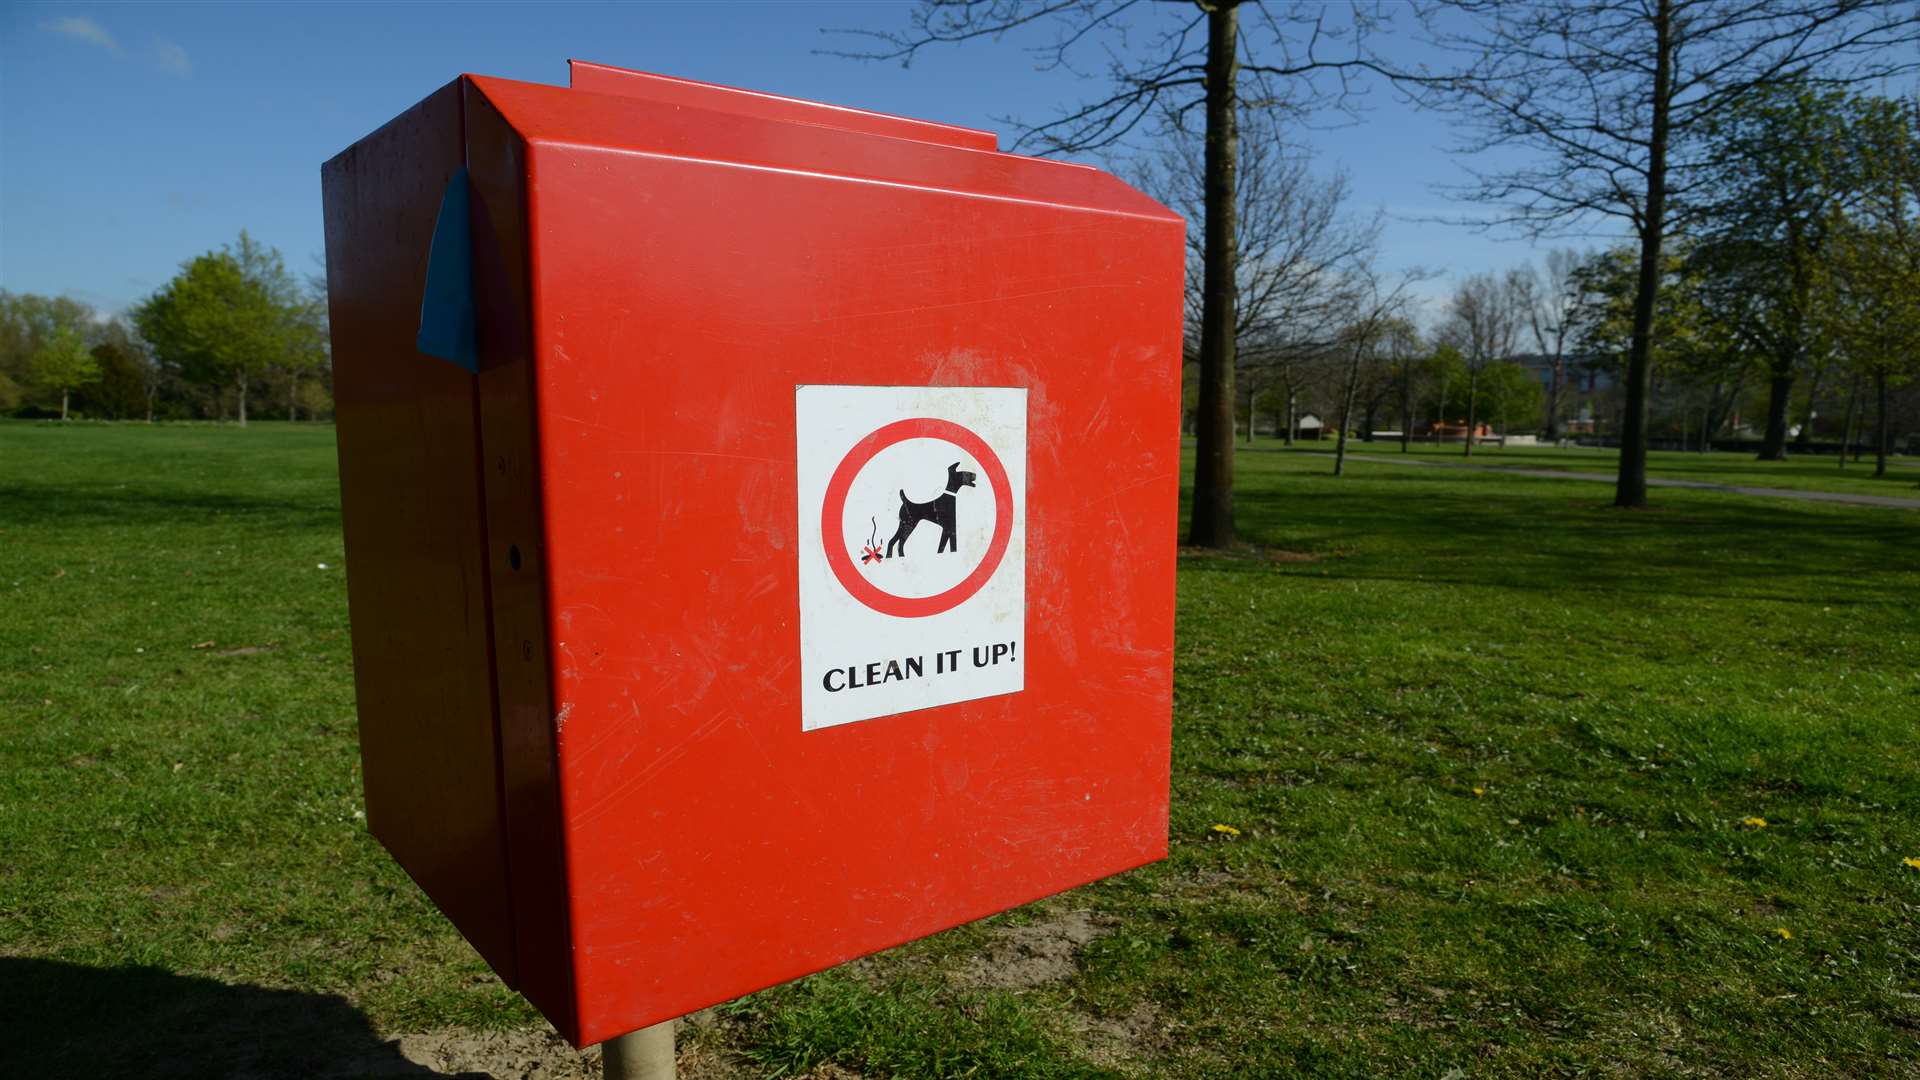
(1547, 304)
(1194, 56)
(1292, 233)
(1609, 96)
(1377, 331)
(1483, 321)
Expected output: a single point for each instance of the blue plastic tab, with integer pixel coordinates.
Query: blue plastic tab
(446, 307)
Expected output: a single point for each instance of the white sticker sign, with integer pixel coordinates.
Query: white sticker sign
(913, 548)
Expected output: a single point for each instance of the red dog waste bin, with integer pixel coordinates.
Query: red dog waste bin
(760, 524)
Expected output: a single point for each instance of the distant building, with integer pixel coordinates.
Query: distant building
(1451, 430)
(1586, 391)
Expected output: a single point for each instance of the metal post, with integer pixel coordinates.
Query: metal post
(646, 1054)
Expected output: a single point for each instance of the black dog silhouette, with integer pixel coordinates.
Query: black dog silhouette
(940, 511)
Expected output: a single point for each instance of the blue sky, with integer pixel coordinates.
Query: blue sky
(134, 136)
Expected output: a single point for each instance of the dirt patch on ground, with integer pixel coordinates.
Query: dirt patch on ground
(527, 1054)
(539, 1054)
(1032, 954)
(1119, 1042)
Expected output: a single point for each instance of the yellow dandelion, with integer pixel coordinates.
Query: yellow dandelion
(1479, 791)
(1785, 934)
(1754, 822)
(1226, 830)
(1911, 861)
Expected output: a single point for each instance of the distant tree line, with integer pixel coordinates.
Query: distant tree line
(233, 335)
(1787, 313)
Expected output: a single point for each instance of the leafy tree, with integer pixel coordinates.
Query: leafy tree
(1873, 315)
(62, 364)
(1508, 390)
(1689, 349)
(230, 315)
(315, 398)
(27, 323)
(1611, 98)
(127, 380)
(1788, 165)
(1195, 57)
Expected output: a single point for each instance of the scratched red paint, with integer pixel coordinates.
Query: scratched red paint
(572, 576)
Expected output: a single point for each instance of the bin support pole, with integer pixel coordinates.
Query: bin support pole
(646, 1054)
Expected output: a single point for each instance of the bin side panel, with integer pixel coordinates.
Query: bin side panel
(496, 161)
(667, 90)
(713, 846)
(410, 492)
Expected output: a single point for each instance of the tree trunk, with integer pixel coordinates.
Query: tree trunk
(1346, 414)
(1723, 405)
(242, 407)
(1292, 419)
(1212, 524)
(1473, 391)
(1555, 379)
(1779, 393)
(1406, 409)
(1252, 385)
(1882, 439)
(1807, 415)
(1631, 490)
(63, 403)
(1846, 430)
(293, 395)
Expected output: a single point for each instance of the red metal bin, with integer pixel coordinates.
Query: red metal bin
(793, 575)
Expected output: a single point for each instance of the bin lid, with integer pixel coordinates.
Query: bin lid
(781, 134)
(668, 90)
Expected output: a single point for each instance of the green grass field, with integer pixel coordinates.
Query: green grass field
(1497, 757)
(1799, 472)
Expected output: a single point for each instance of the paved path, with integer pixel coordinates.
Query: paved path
(1656, 481)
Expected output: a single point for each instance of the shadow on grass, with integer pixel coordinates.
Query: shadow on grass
(1718, 548)
(73, 505)
(65, 1020)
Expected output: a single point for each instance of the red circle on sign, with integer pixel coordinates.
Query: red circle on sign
(833, 512)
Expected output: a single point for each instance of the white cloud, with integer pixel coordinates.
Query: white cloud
(81, 28)
(171, 57)
(166, 55)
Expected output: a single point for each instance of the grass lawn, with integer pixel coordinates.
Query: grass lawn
(1498, 758)
(1806, 472)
